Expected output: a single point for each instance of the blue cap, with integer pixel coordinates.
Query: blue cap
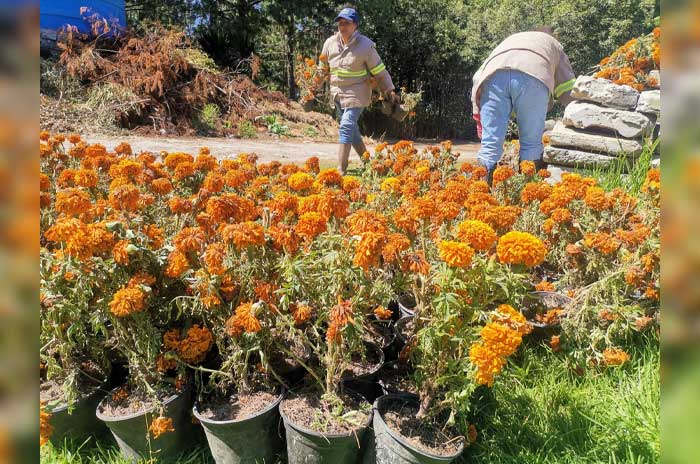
(348, 13)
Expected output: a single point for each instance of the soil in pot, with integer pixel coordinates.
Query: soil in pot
(405, 328)
(424, 439)
(395, 377)
(76, 421)
(287, 366)
(315, 435)
(360, 375)
(243, 428)
(130, 416)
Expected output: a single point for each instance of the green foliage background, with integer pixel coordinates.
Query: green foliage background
(433, 45)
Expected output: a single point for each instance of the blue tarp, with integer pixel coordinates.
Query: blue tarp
(57, 13)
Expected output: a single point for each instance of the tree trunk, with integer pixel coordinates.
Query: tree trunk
(291, 83)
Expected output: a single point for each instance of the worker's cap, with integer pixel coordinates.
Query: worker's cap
(348, 13)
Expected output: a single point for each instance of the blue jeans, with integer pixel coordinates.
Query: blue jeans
(509, 90)
(349, 132)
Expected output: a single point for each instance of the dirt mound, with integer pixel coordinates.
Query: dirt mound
(158, 82)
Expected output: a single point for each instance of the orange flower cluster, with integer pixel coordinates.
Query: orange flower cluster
(339, 316)
(456, 254)
(243, 320)
(160, 426)
(45, 427)
(383, 313)
(478, 234)
(192, 348)
(127, 301)
(499, 339)
(602, 242)
(615, 357)
(301, 313)
(630, 64)
(520, 248)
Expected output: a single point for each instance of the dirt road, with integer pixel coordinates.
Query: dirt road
(267, 150)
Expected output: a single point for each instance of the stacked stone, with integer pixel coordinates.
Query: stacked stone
(605, 122)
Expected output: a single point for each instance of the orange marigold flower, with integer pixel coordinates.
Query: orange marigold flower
(284, 238)
(230, 206)
(190, 239)
(395, 244)
(521, 248)
(383, 313)
(510, 317)
(615, 357)
(544, 286)
(160, 426)
(456, 254)
(602, 242)
(310, 225)
(338, 318)
(125, 197)
(301, 313)
(415, 262)
(535, 191)
(330, 177)
(155, 234)
(45, 427)
(487, 363)
(214, 258)
(561, 215)
(126, 301)
(366, 221)
(244, 234)
(177, 264)
(196, 344)
(86, 178)
(312, 165)
(544, 173)
(243, 320)
(300, 181)
(164, 364)
(527, 168)
(369, 250)
(141, 278)
(502, 174)
(72, 201)
(120, 252)
(478, 234)
(555, 343)
(350, 183)
(597, 200)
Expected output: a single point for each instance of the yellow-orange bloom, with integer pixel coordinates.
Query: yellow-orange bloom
(244, 234)
(160, 426)
(520, 248)
(478, 234)
(177, 264)
(72, 201)
(126, 301)
(456, 254)
(383, 313)
(244, 319)
(615, 357)
(300, 181)
(310, 225)
(301, 313)
(189, 239)
(369, 250)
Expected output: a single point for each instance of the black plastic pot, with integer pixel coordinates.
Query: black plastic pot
(389, 368)
(550, 300)
(80, 423)
(407, 304)
(134, 440)
(366, 384)
(399, 327)
(390, 344)
(389, 447)
(255, 439)
(306, 446)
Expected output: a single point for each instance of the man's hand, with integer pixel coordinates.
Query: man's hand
(394, 98)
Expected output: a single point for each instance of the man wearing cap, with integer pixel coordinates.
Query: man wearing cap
(522, 76)
(353, 59)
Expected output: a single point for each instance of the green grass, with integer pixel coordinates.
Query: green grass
(537, 412)
(540, 412)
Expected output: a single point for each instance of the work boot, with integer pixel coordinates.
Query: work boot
(489, 173)
(343, 157)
